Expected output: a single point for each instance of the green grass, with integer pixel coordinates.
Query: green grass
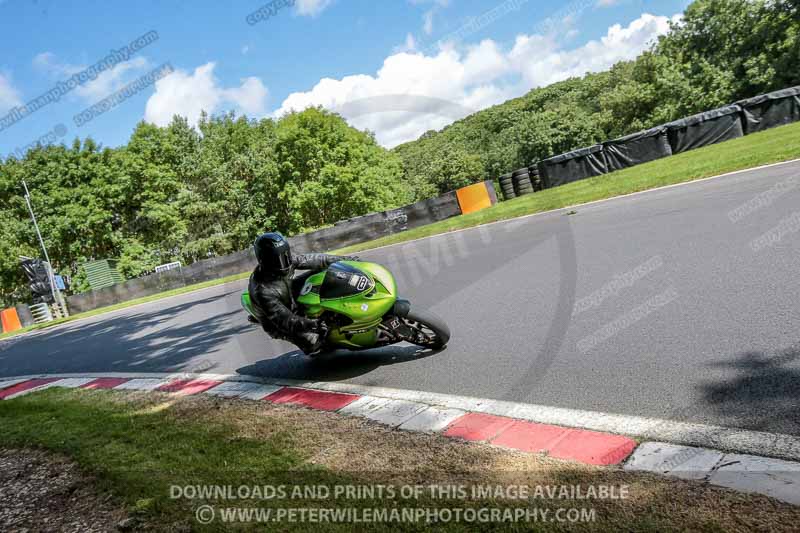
(772, 146)
(138, 450)
(135, 447)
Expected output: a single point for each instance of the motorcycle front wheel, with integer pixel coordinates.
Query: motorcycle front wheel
(427, 329)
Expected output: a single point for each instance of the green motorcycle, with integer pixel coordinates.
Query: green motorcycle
(358, 303)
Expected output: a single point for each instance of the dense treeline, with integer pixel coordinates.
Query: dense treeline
(176, 193)
(180, 193)
(722, 51)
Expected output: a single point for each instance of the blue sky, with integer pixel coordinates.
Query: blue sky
(396, 67)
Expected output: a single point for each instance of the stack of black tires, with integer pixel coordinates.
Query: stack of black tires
(507, 187)
(536, 179)
(520, 182)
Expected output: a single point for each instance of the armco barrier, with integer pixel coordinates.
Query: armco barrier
(344, 233)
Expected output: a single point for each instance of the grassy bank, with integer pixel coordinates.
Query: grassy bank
(772, 146)
(137, 448)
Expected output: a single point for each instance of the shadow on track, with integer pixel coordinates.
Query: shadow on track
(764, 395)
(162, 340)
(335, 366)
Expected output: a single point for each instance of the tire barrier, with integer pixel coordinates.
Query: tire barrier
(704, 129)
(536, 180)
(573, 166)
(637, 148)
(770, 110)
(522, 182)
(507, 187)
(752, 115)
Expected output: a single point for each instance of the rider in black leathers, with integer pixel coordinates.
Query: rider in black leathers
(273, 290)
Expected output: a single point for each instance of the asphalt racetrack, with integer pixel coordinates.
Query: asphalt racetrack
(681, 303)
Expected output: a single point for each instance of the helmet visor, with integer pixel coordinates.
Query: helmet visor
(284, 260)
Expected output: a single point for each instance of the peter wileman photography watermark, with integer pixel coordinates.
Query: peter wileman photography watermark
(476, 24)
(268, 11)
(48, 138)
(295, 496)
(625, 321)
(764, 199)
(787, 226)
(620, 281)
(64, 87)
(112, 101)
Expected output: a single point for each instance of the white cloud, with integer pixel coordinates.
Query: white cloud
(9, 96)
(106, 83)
(188, 94)
(413, 92)
(311, 8)
(427, 24)
(250, 97)
(113, 80)
(607, 3)
(409, 45)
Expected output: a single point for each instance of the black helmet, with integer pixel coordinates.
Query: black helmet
(273, 253)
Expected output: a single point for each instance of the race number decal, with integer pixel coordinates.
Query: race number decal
(362, 283)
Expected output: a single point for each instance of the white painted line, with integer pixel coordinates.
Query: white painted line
(364, 406)
(236, 389)
(11, 382)
(68, 383)
(679, 461)
(716, 437)
(746, 473)
(421, 411)
(28, 391)
(142, 384)
(675, 432)
(395, 412)
(260, 392)
(432, 419)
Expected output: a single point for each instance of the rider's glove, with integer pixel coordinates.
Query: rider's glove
(315, 325)
(352, 258)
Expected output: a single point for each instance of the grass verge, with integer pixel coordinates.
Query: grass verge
(139, 447)
(771, 146)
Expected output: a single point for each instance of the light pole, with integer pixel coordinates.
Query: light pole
(56, 294)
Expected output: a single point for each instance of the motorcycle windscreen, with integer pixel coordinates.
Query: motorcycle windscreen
(342, 281)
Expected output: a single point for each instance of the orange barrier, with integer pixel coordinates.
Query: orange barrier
(10, 320)
(474, 197)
